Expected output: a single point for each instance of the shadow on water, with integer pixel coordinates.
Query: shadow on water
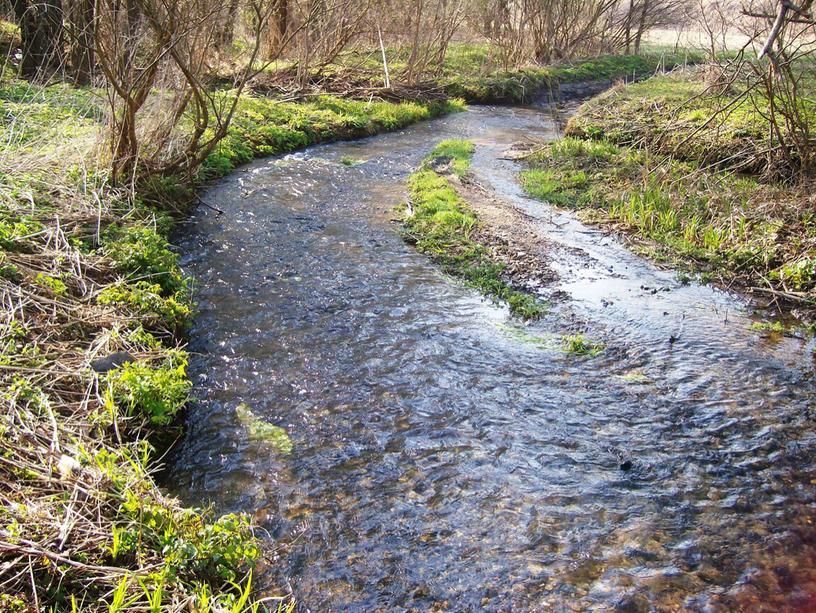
(445, 456)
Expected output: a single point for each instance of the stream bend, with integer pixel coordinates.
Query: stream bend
(447, 457)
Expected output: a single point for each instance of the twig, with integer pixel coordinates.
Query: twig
(209, 206)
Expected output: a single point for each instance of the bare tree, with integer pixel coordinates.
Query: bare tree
(156, 56)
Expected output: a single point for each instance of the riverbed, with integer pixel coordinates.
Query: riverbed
(446, 456)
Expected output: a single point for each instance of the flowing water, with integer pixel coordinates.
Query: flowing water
(447, 457)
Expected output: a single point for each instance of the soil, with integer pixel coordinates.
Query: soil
(510, 235)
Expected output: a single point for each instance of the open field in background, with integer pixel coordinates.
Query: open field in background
(694, 38)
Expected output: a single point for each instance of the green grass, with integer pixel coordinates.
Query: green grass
(264, 126)
(442, 226)
(672, 114)
(715, 221)
(460, 153)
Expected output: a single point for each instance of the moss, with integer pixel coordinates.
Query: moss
(459, 152)
(441, 225)
(776, 327)
(578, 345)
(262, 126)
(261, 430)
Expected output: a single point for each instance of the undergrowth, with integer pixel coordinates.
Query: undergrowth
(441, 225)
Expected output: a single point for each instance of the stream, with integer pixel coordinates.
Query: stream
(445, 456)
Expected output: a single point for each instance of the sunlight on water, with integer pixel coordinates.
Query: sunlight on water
(435, 455)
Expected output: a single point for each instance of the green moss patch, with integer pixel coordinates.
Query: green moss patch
(263, 431)
(263, 126)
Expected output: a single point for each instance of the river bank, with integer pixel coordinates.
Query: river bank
(647, 161)
(473, 73)
(443, 454)
(96, 313)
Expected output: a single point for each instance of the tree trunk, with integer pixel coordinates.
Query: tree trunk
(228, 31)
(278, 28)
(81, 22)
(41, 35)
(644, 12)
(628, 28)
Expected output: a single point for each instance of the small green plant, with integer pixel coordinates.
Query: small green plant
(15, 235)
(146, 299)
(9, 270)
(54, 284)
(578, 345)
(799, 275)
(140, 251)
(349, 161)
(155, 392)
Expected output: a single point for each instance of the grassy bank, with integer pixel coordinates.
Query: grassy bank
(92, 368)
(527, 83)
(731, 228)
(687, 170)
(442, 225)
(685, 115)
